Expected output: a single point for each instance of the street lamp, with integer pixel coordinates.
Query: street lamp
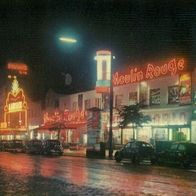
(111, 112)
(68, 39)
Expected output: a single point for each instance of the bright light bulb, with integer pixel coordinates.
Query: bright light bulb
(68, 40)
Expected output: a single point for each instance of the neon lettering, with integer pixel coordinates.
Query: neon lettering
(164, 69)
(133, 76)
(173, 67)
(181, 65)
(149, 71)
(157, 71)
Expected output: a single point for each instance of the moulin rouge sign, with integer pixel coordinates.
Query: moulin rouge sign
(151, 71)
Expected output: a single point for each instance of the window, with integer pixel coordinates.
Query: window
(98, 102)
(174, 147)
(56, 103)
(127, 145)
(181, 147)
(132, 98)
(80, 101)
(74, 105)
(118, 100)
(104, 69)
(87, 104)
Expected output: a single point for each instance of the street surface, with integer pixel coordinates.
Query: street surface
(22, 174)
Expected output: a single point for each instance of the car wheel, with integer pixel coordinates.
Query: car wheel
(118, 157)
(153, 160)
(185, 164)
(136, 159)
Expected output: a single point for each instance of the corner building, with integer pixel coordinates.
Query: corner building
(167, 89)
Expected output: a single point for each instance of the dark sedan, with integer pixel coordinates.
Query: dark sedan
(52, 147)
(136, 151)
(34, 147)
(180, 153)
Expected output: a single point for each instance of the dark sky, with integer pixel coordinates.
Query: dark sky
(137, 31)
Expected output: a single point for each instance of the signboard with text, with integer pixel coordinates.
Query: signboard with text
(185, 88)
(155, 98)
(149, 72)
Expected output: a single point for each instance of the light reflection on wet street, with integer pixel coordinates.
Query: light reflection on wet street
(23, 174)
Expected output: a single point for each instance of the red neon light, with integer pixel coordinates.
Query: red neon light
(69, 118)
(16, 108)
(11, 98)
(148, 72)
(102, 89)
(20, 67)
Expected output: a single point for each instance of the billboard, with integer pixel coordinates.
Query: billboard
(185, 88)
(155, 98)
(173, 94)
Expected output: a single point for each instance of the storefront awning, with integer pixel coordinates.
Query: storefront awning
(59, 126)
(12, 132)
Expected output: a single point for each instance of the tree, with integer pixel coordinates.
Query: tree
(132, 114)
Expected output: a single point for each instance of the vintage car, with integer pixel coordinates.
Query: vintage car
(15, 146)
(180, 153)
(52, 147)
(4, 145)
(34, 147)
(136, 151)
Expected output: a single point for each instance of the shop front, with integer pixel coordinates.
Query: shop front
(67, 126)
(168, 124)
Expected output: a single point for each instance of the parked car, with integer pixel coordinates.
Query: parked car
(136, 151)
(15, 146)
(4, 145)
(52, 147)
(34, 147)
(180, 153)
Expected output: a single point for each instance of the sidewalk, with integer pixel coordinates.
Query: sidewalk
(81, 153)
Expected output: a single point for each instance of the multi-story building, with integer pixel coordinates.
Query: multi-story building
(167, 88)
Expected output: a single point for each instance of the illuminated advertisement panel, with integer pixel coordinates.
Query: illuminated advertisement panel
(185, 88)
(21, 68)
(15, 110)
(155, 96)
(173, 94)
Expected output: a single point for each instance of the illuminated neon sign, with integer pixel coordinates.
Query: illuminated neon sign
(21, 68)
(15, 110)
(67, 117)
(148, 72)
(16, 106)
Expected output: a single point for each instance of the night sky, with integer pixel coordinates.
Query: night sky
(136, 31)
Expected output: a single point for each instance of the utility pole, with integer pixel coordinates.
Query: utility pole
(111, 115)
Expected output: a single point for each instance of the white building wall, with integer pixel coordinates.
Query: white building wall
(67, 101)
(163, 83)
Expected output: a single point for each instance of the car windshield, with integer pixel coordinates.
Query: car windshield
(174, 147)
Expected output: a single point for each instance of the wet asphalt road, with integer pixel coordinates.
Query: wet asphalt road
(22, 174)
